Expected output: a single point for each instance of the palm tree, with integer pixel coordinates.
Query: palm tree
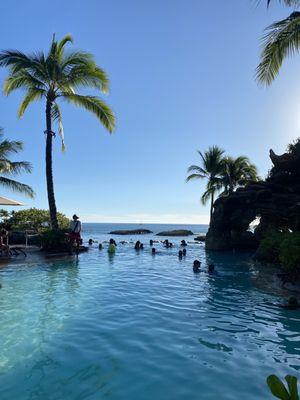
(286, 2)
(282, 39)
(236, 172)
(56, 76)
(210, 169)
(9, 168)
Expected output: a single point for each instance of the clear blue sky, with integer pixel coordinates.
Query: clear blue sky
(182, 78)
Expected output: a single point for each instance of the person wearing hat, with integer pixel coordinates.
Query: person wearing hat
(75, 229)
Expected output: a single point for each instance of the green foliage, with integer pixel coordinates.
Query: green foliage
(221, 172)
(279, 390)
(294, 147)
(10, 168)
(34, 219)
(282, 248)
(289, 251)
(282, 40)
(236, 172)
(288, 3)
(55, 240)
(209, 169)
(55, 76)
(4, 215)
(270, 245)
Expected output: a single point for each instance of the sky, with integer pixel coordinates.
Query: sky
(182, 79)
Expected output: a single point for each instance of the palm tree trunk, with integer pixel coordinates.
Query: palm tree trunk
(211, 206)
(49, 173)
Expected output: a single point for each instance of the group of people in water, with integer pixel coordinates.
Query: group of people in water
(112, 245)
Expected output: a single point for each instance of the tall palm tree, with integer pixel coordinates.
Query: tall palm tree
(282, 40)
(210, 169)
(236, 172)
(9, 168)
(52, 77)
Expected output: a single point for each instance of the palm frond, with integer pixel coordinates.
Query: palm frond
(8, 147)
(15, 167)
(96, 106)
(76, 59)
(281, 40)
(22, 79)
(87, 76)
(61, 44)
(15, 58)
(289, 3)
(57, 116)
(195, 176)
(196, 168)
(206, 196)
(17, 186)
(31, 96)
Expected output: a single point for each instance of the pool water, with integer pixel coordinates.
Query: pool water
(137, 326)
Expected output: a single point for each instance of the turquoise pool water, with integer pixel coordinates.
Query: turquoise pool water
(134, 326)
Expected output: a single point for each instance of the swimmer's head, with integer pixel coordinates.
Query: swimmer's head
(292, 301)
(211, 267)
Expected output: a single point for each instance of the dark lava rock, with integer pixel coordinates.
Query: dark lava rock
(131, 232)
(178, 232)
(200, 238)
(276, 201)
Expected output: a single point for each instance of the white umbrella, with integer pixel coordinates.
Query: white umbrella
(4, 201)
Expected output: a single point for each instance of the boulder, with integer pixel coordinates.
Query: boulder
(131, 232)
(200, 238)
(176, 232)
(276, 201)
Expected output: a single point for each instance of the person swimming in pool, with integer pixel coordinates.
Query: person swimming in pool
(196, 266)
(291, 304)
(211, 268)
(111, 247)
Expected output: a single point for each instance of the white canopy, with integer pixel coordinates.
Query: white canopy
(8, 202)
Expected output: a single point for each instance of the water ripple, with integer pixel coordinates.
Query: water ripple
(136, 326)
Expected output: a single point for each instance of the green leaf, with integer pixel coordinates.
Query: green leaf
(292, 385)
(277, 387)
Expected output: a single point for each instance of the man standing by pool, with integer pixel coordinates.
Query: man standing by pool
(75, 229)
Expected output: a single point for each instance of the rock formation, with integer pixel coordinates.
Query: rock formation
(177, 232)
(275, 201)
(131, 232)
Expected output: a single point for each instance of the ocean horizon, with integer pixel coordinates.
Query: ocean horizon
(100, 231)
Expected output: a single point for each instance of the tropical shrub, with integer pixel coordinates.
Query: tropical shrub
(270, 245)
(289, 251)
(279, 389)
(55, 240)
(34, 219)
(282, 248)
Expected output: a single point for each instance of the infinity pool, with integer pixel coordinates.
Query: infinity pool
(141, 327)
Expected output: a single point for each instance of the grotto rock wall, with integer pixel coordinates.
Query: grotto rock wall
(276, 201)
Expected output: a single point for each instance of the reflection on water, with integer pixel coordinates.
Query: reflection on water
(130, 325)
